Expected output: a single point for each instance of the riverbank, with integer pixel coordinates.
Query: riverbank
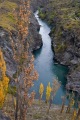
(64, 19)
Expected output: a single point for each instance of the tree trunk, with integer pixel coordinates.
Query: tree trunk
(68, 109)
(62, 107)
(78, 114)
(16, 111)
(23, 114)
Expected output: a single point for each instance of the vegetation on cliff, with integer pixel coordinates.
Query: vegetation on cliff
(64, 19)
(7, 19)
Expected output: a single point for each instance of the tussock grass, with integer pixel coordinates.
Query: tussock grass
(7, 19)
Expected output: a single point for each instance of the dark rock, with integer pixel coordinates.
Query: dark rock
(35, 41)
(3, 117)
(5, 44)
(74, 62)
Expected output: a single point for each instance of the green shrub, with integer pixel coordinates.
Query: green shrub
(41, 14)
(12, 90)
(37, 116)
(77, 14)
(60, 48)
(7, 19)
(15, 75)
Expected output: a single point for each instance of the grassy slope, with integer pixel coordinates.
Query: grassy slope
(7, 19)
(67, 11)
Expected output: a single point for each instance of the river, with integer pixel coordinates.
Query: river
(44, 64)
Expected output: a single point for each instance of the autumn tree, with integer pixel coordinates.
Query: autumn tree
(41, 90)
(71, 102)
(4, 80)
(64, 100)
(74, 115)
(78, 114)
(63, 103)
(48, 92)
(55, 86)
(25, 74)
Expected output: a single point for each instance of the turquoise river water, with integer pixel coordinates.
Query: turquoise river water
(46, 67)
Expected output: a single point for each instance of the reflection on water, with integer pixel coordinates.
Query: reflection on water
(44, 64)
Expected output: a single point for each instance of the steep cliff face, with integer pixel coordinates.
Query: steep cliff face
(68, 53)
(36, 4)
(64, 19)
(7, 25)
(5, 44)
(35, 41)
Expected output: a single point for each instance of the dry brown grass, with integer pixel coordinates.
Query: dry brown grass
(38, 111)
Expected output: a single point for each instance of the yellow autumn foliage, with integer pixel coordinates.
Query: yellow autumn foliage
(4, 80)
(2, 96)
(74, 115)
(41, 90)
(72, 102)
(48, 92)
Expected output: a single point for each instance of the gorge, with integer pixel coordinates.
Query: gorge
(46, 67)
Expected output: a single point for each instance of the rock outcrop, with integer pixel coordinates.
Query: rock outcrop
(35, 38)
